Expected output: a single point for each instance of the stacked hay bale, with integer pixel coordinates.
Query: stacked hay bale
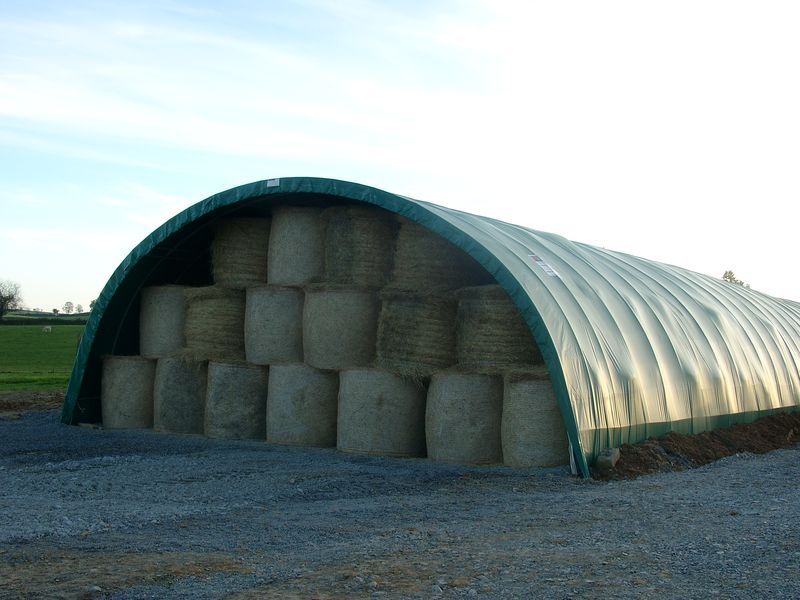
(215, 322)
(491, 407)
(239, 252)
(339, 326)
(179, 393)
(273, 325)
(492, 336)
(533, 431)
(359, 245)
(426, 263)
(344, 327)
(236, 401)
(380, 413)
(416, 334)
(296, 246)
(463, 417)
(126, 392)
(161, 320)
(302, 405)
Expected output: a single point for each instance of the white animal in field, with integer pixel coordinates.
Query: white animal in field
(47, 329)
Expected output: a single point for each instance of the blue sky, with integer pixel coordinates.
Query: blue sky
(669, 131)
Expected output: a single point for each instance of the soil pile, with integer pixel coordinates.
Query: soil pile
(14, 403)
(677, 451)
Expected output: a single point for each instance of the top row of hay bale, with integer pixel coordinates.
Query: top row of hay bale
(359, 246)
(239, 252)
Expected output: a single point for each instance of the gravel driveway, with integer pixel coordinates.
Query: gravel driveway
(90, 513)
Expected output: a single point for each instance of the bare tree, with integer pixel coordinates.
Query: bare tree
(731, 278)
(91, 304)
(55, 311)
(79, 308)
(68, 307)
(10, 297)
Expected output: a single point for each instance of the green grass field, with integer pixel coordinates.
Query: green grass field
(33, 360)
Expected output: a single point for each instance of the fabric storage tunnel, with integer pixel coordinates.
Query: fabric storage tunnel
(634, 348)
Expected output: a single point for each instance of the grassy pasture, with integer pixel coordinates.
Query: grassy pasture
(33, 360)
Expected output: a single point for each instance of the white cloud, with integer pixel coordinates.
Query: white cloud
(668, 132)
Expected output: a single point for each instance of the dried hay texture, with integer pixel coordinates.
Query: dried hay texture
(536, 372)
(236, 401)
(533, 432)
(215, 322)
(273, 325)
(302, 405)
(416, 334)
(491, 335)
(359, 245)
(380, 413)
(463, 418)
(162, 319)
(339, 327)
(296, 246)
(425, 262)
(239, 252)
(179, 393)
(126, 392)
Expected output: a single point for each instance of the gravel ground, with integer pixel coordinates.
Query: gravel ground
(88, 513)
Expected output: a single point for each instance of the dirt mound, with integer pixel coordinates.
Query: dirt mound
(38, 570)
(14, 403)
(677, 451)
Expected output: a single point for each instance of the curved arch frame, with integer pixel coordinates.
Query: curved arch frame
(122, 287)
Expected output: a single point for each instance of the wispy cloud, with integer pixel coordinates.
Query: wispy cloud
(600, 121)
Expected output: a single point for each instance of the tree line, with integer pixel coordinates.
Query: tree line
(11, 299)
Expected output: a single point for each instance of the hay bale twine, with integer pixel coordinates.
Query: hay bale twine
(161, 320)
(359, 244)
(416, 334)
(301, 406)
(215, 322)
(339, 327)
(491, 334)
(380, 413)
(273, 325)
(126, 392)
(179, 393)
(239, 252)
(296, 246)
(425, 262)
(236, 401)
(463, 416)
(532, 432)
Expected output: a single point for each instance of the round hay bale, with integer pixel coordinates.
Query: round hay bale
(161, 320)
(239, 252)
(416, 334)
(463, 416)
(301, 406)
(425, 262)
(380, 413)
(179, 393)
(359, 243)
(296, 246)
(339, 327)
(491, 334)
(532, 430)
(126, 392)
(236, 401)
(215, 322)
(273, 325)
